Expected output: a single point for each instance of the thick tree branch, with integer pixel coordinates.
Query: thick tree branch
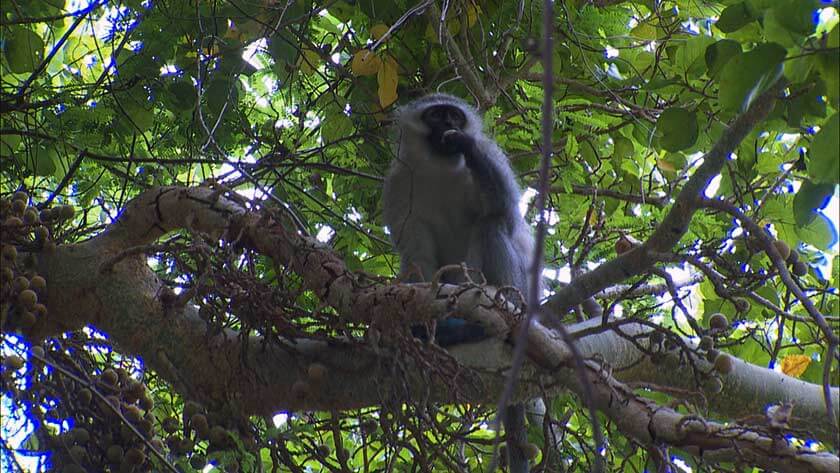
(747, 390)
(256, 376)
(107, 283)
(651, 424)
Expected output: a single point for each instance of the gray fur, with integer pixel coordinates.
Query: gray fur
(434, 208)
(438, 215)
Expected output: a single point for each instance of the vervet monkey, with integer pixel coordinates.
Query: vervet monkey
(450, 197)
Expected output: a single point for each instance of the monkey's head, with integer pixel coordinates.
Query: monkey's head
(440, 122)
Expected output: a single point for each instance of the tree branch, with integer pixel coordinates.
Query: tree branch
(675, 223)
(464, 66)
(125, 301)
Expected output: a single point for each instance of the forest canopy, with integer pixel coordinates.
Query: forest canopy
(195, 274)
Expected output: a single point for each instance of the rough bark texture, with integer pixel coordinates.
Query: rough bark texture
(105, 282)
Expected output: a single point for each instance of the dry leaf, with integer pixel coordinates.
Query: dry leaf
(795, 365)
(387, 78)
(472, 14)
(378, 31)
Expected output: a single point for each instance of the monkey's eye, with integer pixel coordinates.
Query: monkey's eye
(456, 118)
(434, 115)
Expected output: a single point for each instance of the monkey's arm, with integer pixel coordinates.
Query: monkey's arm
(497, 187)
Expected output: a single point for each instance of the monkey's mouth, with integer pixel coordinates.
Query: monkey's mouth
(448, 145)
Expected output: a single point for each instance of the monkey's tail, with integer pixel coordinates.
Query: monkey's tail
(514, 423)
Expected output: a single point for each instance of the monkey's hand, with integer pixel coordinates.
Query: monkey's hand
(457, 141)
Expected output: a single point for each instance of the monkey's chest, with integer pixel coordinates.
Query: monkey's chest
(452, 220)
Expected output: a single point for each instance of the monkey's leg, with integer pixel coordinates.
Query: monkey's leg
(418, 253)
(492, 251)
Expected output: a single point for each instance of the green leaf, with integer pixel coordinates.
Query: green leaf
(219, 92)
(9, 144)
(777, 210)
(824, 153)
(571, 148)
(828, 63)
(342, 10)
(808, 200)
(379, 9)
(757, 6)
(40, 8)
(672, 164)
(283, 48)
(718, 54)
(770, 293)
(690, 55)
(643, 133)
(734, 17)
(142, 65)
(24, 49)
(820, 233)
(775, 31)
(797, 16)
(644, 31)
(137, 116)
(808, 103)
(769, 163)
(31, 442)
(797, 69)
(181, 96)
(622, 147)
(747, 75)
(336, 126)
(676, 129)
(42, 160)
(588, 153)
(661, 82)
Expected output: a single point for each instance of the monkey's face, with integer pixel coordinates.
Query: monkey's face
(444, 122)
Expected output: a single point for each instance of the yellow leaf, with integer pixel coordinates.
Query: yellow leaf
(453, 26)
(308, 61)
(795, 365)
(365, 63)
(378, 31)
(387, 78)
(472, 14)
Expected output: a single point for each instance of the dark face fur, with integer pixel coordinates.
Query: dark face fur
(440, 119)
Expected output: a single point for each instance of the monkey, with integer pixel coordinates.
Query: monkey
(450, 197)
